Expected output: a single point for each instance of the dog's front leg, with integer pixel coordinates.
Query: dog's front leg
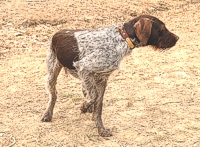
(84, 90)
(90, 86)
(101, 84)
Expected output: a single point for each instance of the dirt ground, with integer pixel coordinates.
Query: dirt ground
(153, 100)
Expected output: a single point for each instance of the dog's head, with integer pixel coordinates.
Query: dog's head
(149, 30)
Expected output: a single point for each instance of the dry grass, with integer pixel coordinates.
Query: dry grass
(153, 100)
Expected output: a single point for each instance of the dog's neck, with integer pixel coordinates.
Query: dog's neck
(125, 36)
(128, 33)
(131, 33)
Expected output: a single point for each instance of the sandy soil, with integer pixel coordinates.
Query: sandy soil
(153, 100)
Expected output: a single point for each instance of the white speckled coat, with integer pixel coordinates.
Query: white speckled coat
(101, 50)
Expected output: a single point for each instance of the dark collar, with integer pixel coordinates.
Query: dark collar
(125, 36)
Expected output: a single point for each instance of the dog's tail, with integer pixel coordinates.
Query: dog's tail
(51, 58)
(53, 67)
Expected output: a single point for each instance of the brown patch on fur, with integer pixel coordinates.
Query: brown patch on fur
(65, 46)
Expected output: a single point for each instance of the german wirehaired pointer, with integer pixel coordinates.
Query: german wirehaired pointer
(92, 55)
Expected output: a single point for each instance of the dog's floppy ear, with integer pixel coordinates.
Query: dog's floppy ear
(143, 29)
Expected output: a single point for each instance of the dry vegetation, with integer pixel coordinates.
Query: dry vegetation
(153, 100)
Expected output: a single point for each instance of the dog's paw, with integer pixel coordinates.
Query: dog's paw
(90, 109)
(105, 132)
(46, 118)
(83, 108)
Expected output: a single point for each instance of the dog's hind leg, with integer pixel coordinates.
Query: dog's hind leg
(53, 69)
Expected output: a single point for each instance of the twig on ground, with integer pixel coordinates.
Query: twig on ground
(14, 141)
(171, 102)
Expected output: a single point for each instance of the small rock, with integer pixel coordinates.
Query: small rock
(1, 134)
(18, 34)
(16, 42)
(9, 24)
(184, 74)
(24, 46)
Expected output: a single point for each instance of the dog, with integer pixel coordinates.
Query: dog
(92, 55)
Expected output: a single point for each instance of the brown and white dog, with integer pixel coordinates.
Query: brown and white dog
(92, 55)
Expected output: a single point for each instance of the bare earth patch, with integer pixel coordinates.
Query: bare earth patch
(153, 100)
